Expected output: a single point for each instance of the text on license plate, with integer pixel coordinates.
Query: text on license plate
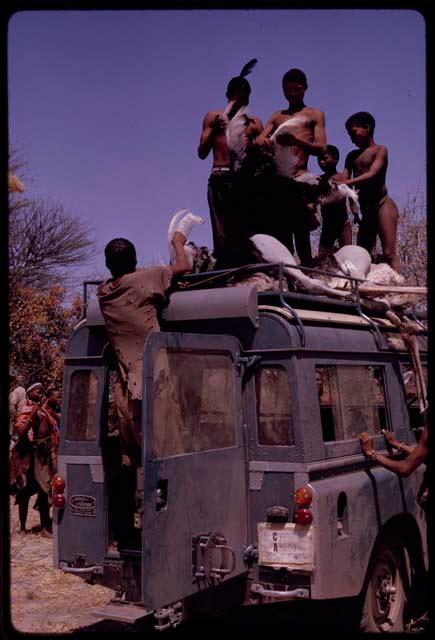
(286, 545)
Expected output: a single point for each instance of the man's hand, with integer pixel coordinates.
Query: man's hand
(340, 180)
(391, 438)
(287, 139)
(366, 443)
(219, 124)
(178, 239)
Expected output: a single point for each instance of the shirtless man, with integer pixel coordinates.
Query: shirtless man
(295, 133)
(220, 193)
(335, 223)
(368, 166)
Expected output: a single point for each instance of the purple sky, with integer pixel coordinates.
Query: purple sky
(107, 107)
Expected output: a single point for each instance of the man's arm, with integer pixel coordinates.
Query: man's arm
(182, 264)
(213, 124)
(404, 467)
(378, 165)
(254, 129)
(264, 137)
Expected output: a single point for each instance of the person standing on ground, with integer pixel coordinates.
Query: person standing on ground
(31, 465)
(227, 133)
(366, 170)
(17, 399)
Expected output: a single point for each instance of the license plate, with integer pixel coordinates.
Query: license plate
(286, 545)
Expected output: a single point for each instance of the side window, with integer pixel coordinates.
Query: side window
(194, 402)
(274, 418)
(351, 399)
(82, 406)
(408, 375)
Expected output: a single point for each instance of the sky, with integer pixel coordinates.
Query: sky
(106, 107)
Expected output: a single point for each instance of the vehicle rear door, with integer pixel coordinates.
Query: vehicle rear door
(195, 498)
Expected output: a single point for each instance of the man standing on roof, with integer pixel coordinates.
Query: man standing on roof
(227, 133)
(294, 134)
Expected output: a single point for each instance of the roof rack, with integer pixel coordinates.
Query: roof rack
(210, 279)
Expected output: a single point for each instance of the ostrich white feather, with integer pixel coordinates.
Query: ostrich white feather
(183, 221)
(308, 178)
(384, 274)
(285, 159)
(236, 137)
(272, 250)
(352, 201)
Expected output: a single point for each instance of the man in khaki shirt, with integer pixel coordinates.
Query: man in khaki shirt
(129, 302)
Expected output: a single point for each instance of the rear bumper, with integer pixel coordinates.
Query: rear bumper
(259, 590)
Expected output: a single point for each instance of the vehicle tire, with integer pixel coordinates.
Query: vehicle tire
(387, 593)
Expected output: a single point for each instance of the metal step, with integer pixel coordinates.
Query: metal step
(121, 612)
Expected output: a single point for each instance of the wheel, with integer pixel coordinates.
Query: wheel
(387, 595)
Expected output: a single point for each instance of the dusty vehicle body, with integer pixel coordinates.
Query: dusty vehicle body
(246, 399)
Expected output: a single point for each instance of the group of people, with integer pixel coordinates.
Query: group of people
(34, 417)
(260, 182)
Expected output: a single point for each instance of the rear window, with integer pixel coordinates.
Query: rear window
(274, 418)
(351, 400)
(194, 402)
(82, 406)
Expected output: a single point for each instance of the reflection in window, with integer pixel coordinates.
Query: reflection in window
(82, 406)
(351, 399)
(415, 417)
(275, 426)
(194, 402)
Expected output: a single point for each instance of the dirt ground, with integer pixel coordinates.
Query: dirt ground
(44, 599)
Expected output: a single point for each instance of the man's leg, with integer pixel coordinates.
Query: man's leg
(44, 511)
(23, 498)
(219, 196)
(345, 236)
(368, 229)
(387, 221)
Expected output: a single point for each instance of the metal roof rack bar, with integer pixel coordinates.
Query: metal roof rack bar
(376, 331)
(299, 324)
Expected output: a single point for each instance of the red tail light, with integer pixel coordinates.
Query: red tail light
(303, 497)
(303, 500)
(59, 500)
(303, 516)
(58, 484)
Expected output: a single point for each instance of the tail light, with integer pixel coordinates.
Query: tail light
(303, 500)
(58, 484)
(58, 487)
(303, 516)
(303, 497)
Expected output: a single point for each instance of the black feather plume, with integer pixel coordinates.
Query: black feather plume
(248, 67)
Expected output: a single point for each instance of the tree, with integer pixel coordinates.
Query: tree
(412, 240)
(39, 328)
(44, 243)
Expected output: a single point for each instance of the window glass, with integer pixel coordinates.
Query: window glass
(274, 419)
(194, 402)
(409, 381)
(351, 399)
(82, 406)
